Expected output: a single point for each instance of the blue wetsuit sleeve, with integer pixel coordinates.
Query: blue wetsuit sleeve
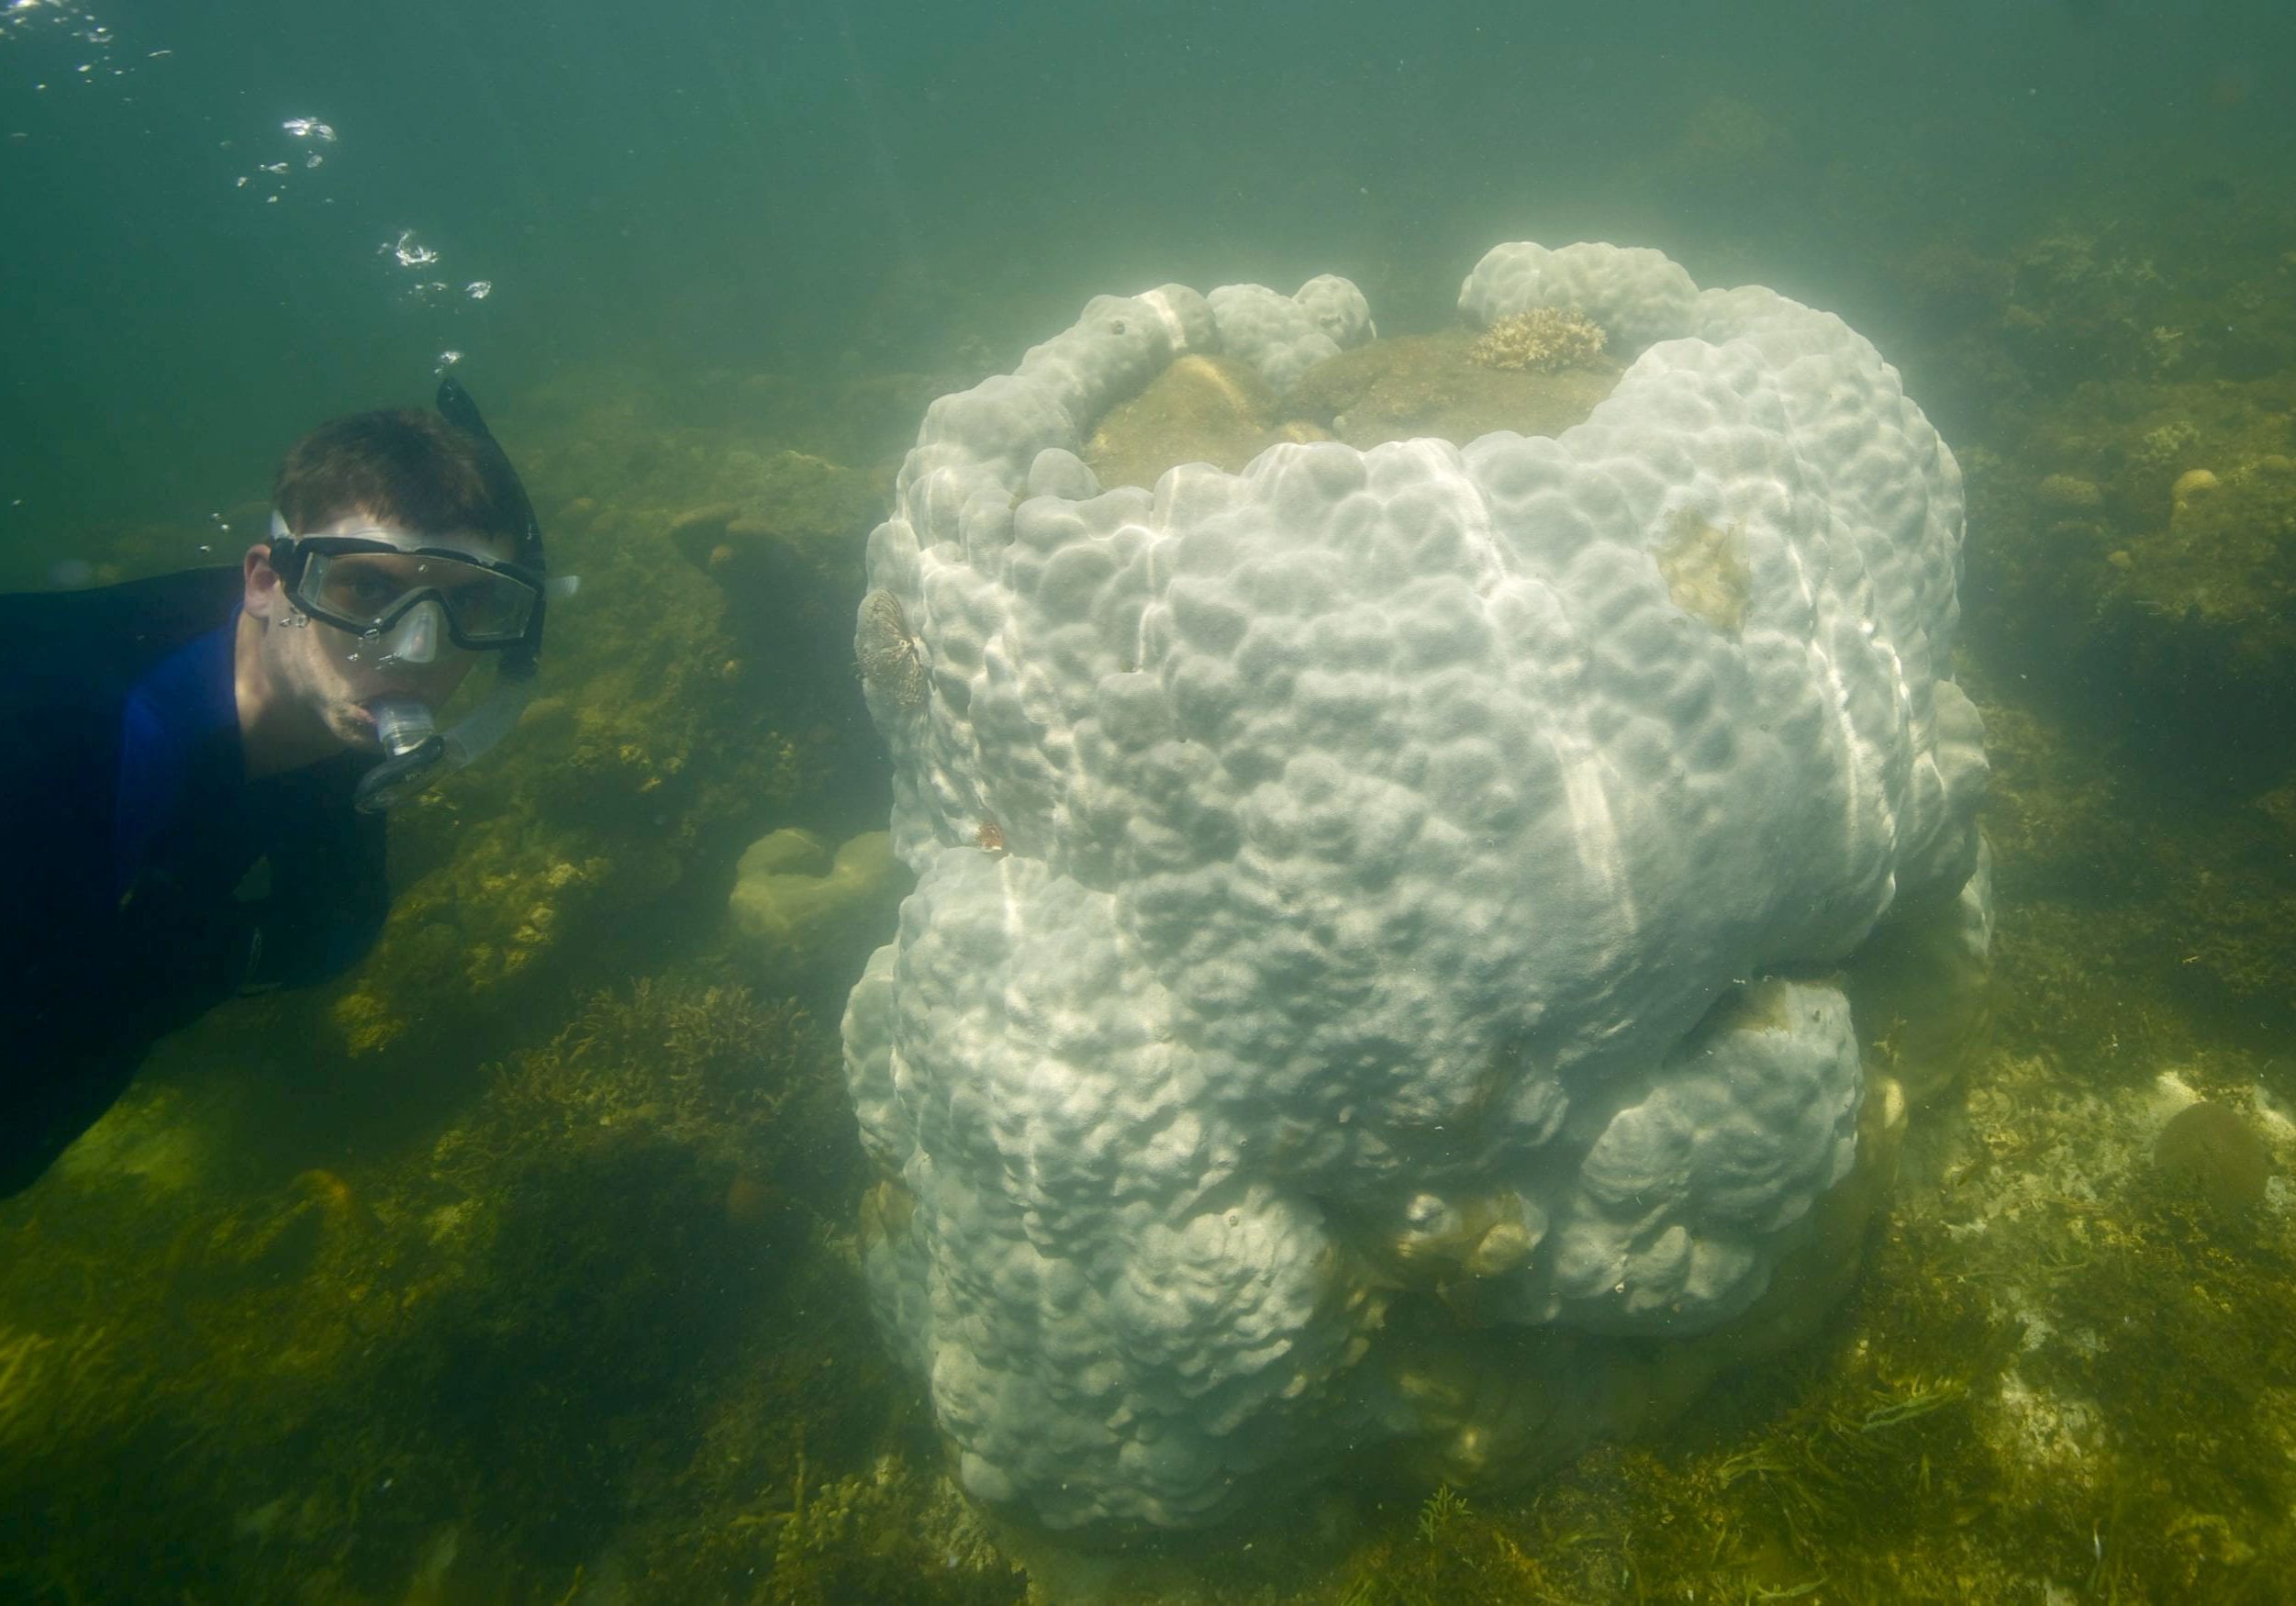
(72, 1040)
(327, 901)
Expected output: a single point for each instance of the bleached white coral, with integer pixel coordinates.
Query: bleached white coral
(1636, 294)
(1403, 855)
(1284, 336)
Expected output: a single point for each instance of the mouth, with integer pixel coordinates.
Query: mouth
(364, 709)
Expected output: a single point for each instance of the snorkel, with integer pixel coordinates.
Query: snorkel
(417, 754)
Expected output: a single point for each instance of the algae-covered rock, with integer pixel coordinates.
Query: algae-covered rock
(2203, 612)
(2145, 559)
(1200, 409)
(794, 515)
(1432, 385)
(2208, 1148)
(781, 537)
(1215, 409)
(800, 911)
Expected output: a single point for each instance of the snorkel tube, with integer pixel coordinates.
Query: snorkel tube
(416, 752)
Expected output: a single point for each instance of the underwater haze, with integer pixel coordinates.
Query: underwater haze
(721, 183)
(528, 1262)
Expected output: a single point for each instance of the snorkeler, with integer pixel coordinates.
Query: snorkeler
(197, 764)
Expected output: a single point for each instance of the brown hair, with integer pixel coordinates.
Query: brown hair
(409, 470)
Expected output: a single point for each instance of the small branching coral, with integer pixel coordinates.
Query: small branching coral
(1540, 340)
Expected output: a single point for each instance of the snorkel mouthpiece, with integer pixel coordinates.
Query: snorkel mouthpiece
(412, 751)
(403, 725)
(417, 752)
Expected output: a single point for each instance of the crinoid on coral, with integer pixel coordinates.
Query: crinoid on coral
(892, 668)
(1543, 340)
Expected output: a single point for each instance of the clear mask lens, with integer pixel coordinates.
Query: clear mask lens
(414, 639)
(366, 591)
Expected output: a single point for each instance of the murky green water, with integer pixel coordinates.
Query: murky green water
(523, 1263)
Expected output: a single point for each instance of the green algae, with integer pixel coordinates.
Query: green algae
(464, 1340)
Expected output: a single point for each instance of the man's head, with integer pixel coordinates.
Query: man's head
(361, 496)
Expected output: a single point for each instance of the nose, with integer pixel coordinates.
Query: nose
(414, 639)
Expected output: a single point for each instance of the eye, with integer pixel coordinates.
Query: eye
(476, 601)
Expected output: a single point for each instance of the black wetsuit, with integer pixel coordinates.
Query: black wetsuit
(147, 878)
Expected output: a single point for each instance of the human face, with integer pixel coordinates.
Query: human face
(328, 678)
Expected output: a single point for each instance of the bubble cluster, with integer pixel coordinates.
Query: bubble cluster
(277, 162)
(80, 48)
(409, 253)
(269, 178)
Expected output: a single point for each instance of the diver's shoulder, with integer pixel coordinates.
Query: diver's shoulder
(95, 634)
(182, 597)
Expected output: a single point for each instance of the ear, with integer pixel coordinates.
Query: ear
(261, 595)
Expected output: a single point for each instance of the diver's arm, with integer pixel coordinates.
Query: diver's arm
(73, 1040)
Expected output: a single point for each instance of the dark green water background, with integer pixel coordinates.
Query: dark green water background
(717, 182)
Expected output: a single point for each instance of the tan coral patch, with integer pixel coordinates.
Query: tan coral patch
(1705, 570)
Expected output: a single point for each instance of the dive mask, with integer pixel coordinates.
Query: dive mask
(366, 582)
